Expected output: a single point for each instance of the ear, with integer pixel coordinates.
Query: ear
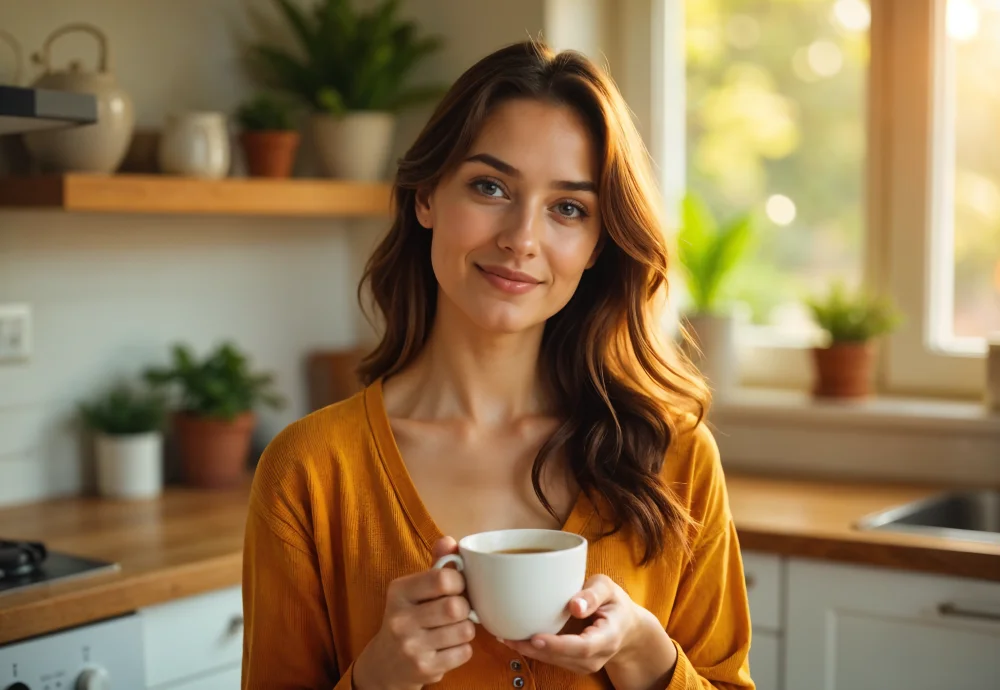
(597, 251)
(422, 203)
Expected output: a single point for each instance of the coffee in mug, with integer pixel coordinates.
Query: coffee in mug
(520, 581)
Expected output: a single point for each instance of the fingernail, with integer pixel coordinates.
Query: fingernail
(538, 644)
(581, 603)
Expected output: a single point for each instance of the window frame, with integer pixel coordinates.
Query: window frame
(916, 152)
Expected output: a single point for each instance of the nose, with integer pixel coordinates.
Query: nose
(520, 232)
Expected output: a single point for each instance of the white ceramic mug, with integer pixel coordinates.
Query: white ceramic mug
(517, 595)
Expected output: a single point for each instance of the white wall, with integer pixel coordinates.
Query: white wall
(110, 293)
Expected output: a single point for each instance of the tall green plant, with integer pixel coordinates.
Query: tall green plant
(347, 60)
(221, 386)
(856, 317)
(709, 252)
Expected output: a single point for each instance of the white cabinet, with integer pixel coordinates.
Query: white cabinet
(195, 642)
(852, 627)
(764, 578)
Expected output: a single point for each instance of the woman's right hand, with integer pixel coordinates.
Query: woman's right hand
(425, 631)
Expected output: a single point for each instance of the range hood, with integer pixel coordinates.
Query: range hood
(23, 109)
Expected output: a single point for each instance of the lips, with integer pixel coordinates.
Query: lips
(511, 275)
(508, 280)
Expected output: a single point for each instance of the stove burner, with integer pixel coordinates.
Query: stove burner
(20, 558)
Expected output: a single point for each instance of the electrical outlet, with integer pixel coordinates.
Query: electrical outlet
(15, 332)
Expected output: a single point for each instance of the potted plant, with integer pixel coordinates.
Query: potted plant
(269, 139)
(709, 252)
(215, 420)
(127, 423)
(851, 322)
(351, 68)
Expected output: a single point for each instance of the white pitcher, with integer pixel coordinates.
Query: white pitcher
(195, 144)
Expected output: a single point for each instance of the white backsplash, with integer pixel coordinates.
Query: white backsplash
(110, 293)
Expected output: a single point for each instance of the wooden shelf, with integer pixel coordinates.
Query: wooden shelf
(185, 195)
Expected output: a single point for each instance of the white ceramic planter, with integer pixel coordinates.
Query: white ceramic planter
(130, 466)
(716, 338)
(355, 146)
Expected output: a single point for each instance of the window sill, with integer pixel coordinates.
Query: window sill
(879, 412)
(884, 438)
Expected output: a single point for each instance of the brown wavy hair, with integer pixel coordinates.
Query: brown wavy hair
(622, 393)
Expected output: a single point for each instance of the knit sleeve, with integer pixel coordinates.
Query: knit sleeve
(287, 637)
(710, 620)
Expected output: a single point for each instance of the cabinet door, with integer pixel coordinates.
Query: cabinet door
(853, 627)
(765, 660)
(194, 636)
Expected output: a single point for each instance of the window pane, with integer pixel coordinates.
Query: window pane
(973, 37)
(776, 125)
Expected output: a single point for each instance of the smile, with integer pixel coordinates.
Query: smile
(506, 280)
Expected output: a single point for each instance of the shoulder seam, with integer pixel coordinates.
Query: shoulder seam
(269, 519)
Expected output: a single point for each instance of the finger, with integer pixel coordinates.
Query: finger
(443, 611)
(444, 547)
(453, 657)
(428, 585)
(449, 636)
(594, 641)
(597, 591)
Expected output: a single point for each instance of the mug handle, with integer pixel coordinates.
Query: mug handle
(460, 566)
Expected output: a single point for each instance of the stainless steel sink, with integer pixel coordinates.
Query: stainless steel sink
(970, 515)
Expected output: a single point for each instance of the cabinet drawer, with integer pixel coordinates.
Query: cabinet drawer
(763, 576)
(228, 679)
(193, 636)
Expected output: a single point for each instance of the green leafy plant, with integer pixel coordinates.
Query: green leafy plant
(348, 60)
(853, 317)
(221, 386)
(125, 409)
(265, 112)
(709, 251)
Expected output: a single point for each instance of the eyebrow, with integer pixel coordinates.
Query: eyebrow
(508, 169)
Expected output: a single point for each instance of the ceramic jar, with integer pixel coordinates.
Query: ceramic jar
(195, 144)
(96, 148)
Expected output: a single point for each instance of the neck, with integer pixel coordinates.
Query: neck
(480, 376)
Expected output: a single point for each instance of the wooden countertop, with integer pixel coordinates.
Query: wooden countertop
(190, 541)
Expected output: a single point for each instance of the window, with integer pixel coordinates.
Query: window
(776, 125)
(968, 302)
(865, 137)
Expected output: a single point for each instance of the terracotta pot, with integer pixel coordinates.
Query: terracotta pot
(844, 370)
(214, 452)
(270, 153)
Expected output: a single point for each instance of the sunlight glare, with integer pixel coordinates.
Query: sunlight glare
(853, 15)
(780, 209)
(962, 20)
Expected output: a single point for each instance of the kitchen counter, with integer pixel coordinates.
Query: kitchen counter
(190, 541)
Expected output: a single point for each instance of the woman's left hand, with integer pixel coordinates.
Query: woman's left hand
(618, 630)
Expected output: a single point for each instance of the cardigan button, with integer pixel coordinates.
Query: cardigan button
(519, 682)
(515, 665)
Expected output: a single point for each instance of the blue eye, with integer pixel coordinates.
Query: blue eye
(570, 210)
(488, 188)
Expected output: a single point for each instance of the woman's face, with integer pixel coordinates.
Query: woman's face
(516, 224)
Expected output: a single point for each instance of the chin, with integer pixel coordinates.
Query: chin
(502, 319)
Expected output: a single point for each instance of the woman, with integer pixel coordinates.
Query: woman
(518, 384)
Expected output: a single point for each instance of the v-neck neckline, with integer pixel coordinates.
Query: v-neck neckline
(414, 507)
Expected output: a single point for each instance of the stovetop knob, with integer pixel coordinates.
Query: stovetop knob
(93, 679)
(17, 686)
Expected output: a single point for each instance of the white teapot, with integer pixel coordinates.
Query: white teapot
(99, 147)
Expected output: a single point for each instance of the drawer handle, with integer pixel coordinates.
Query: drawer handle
(235, 625)
(956, 611)
(749, 580)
